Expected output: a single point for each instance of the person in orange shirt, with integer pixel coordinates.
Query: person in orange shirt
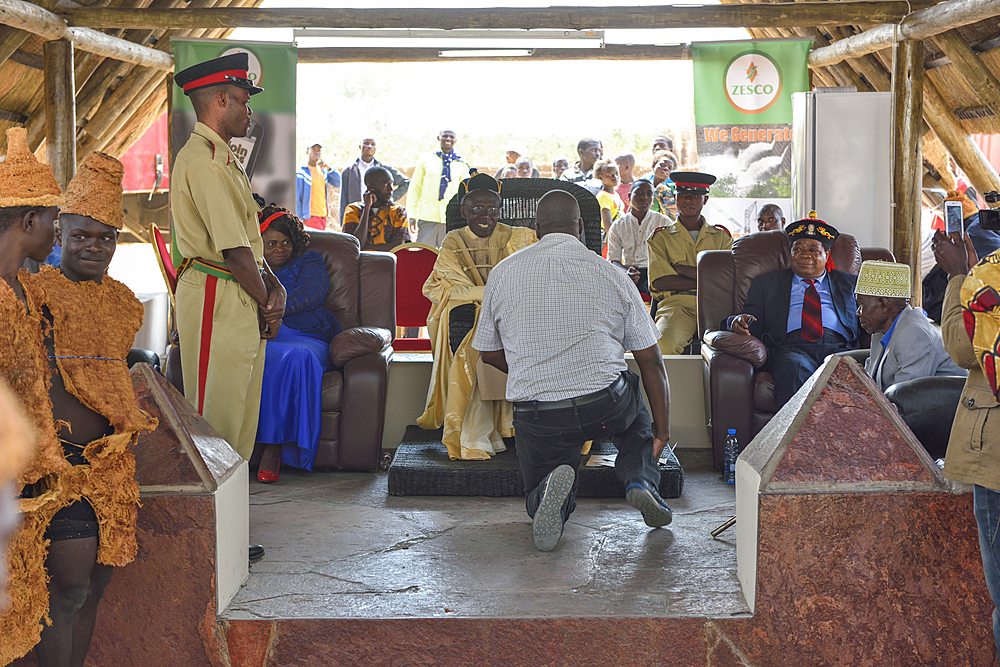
(310, 188)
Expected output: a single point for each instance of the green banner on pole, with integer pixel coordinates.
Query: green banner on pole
(743, 119)
(737, 83)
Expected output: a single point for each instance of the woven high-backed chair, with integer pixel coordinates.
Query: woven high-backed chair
(519, 200)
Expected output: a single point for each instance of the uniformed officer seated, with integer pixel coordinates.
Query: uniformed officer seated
(673, 258)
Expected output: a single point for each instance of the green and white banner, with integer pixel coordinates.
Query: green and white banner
(268, 150)
(743, 119)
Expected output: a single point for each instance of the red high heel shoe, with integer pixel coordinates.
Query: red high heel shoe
(268, 476)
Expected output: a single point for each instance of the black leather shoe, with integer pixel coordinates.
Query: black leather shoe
(256, 552)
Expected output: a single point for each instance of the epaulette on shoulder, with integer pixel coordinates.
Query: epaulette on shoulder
(659, 229)
(724, 229)
(229, 156)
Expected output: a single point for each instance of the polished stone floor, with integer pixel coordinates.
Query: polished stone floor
(338, 546)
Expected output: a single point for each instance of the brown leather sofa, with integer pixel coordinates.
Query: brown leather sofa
(738, 394)
(362, 289)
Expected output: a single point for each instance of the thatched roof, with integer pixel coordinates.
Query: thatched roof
(116, 101)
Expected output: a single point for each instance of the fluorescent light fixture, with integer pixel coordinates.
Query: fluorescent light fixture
(485, 53)
(393, 33)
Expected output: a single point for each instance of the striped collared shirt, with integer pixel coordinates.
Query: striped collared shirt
(564, 317)
(627, 238)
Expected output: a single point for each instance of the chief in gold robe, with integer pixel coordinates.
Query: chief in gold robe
(473, 428)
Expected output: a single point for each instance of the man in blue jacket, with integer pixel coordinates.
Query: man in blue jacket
(801, 314)
(310, 188)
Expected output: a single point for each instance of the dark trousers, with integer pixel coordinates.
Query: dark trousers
(643, 283)
(549, 438)
(793, 362)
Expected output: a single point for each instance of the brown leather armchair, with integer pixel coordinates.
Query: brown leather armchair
(362, 296)
(738, 393)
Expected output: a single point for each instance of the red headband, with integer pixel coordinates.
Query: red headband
(271, 218)
(216, 77)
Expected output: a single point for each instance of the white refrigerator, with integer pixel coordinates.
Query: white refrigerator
(841, 145)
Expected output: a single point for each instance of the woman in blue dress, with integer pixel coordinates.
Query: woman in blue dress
(297, 358)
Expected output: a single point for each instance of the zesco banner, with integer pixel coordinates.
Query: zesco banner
(743, 120)
(268, 150)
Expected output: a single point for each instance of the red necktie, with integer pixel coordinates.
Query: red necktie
(812, 314)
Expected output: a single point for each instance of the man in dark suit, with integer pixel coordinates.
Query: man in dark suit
(801, 314)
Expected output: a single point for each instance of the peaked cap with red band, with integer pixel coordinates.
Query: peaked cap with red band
(692, 182)
(227, 69)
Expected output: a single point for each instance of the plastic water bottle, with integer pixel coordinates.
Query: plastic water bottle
(732, 451)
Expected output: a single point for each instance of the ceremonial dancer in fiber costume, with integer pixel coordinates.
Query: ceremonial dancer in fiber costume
(473, 428)
(90, 321)
(29, 201)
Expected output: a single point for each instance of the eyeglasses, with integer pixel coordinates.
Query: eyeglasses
(491, 211)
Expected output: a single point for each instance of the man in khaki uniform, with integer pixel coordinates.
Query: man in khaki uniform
(228, 302)
(673, 258)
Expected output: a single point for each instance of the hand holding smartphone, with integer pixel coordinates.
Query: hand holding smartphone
(953, 217)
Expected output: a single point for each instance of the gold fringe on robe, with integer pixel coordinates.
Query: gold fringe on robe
(473, 429)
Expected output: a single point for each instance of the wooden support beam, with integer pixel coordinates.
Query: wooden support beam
(921, 24)
(971, 68)
(392, 55)
(60, 110)
(112, 116)
(907, 163)
(32, 18)
(578, 18)
(956, 140)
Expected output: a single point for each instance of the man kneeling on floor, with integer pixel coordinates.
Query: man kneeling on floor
(563, 346)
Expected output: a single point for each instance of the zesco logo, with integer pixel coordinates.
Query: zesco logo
(753, 82)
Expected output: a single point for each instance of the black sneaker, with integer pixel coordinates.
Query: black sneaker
(547, 525)
(647, 500)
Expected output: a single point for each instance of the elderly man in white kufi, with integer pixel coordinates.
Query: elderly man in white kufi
(905, 344)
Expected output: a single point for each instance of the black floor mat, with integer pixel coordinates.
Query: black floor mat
(421, 467)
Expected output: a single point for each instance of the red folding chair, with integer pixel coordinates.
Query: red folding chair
(414, 263)
(162, 252)
(164, 260)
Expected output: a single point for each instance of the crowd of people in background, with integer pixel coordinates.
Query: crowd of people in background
(435, 177)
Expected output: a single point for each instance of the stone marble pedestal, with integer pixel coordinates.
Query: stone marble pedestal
(852, 548)
(192, 532)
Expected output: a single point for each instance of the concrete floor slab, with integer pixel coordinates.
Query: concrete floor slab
(338, 546)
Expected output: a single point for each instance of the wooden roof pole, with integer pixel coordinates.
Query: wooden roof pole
(918, 25)
(907, 163)
(60, 109)
(560, 18)
(867, 65)
(11, 39)
(32, 18)
(956, 140)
